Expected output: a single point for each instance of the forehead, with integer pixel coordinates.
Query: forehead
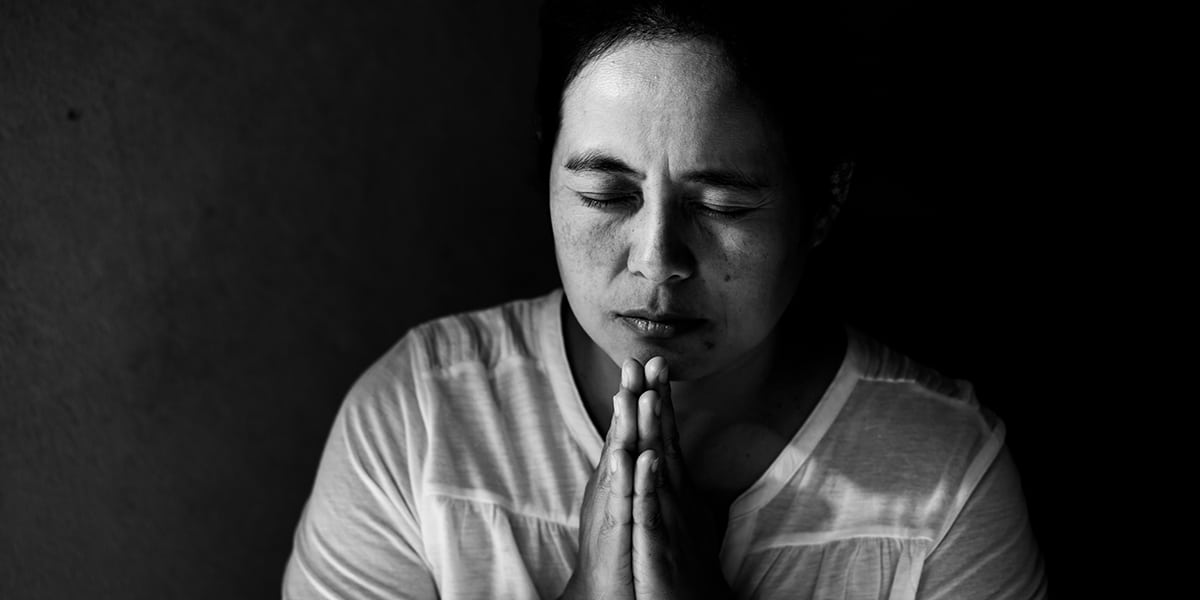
(654, 70)
(677, 101)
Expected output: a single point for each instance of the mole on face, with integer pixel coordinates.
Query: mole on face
(728, 276)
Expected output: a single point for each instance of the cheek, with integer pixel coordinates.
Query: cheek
(753, 259)
(757, 275)
(587, 246)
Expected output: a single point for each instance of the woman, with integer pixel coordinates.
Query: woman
(752, 448)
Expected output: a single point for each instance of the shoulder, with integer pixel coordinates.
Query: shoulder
(477, 340)
(914, 407)
(911, 435)
(484, 337)
(451, 397)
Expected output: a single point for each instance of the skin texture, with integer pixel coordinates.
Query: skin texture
(661, 242)
(669, 194)
(639, 537)
(674, 547)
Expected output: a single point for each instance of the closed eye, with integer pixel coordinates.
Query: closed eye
(603, 201)
(628, 201)
(722, 212)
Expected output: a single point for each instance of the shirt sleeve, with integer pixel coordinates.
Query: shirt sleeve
(989, 551)
(359, 535)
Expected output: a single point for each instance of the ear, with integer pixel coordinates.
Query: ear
(839, 189)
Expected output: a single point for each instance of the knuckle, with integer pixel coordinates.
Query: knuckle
(608, 521)
(602, 485)
(649, 516)
(652, 520)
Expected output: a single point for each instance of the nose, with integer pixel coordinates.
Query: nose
(658, 248)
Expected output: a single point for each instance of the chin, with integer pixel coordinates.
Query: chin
(686, 359)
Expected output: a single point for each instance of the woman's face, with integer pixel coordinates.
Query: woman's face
(677, 228)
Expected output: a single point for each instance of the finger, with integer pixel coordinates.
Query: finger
(633, 376)
(658, 379)
(645, 491)
(650, 536)
(618, 440)
(623, 431)
(668, 431)
(612, 422)
(671, 514)
(602, 477)
(618, 508)
(649, 431)
(656, 373)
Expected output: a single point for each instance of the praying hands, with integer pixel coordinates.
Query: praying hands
(643, 531)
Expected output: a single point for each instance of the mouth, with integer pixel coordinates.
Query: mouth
(660, 325)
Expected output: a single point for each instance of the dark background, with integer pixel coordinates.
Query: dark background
(215, 215)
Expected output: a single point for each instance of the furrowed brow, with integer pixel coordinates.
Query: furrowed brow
(599, 162)
(730, 180)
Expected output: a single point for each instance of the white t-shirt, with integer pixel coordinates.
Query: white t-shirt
(456, 469)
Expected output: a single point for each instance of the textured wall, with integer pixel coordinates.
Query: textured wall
(214, 215)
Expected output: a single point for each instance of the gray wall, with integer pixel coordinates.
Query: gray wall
(215, 215)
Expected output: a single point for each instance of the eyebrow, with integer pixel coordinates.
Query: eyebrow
(731, 179)
(599, 162)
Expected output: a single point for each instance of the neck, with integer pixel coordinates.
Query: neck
(746, 378)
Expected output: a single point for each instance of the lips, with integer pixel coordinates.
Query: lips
(658, 325)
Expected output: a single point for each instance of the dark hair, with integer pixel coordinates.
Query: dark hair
(790, 59)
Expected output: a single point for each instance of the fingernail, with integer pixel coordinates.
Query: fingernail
(654, 466)
(662, 375)
(612, 464)
(625, 377)
(657, 405)
(616, 406)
